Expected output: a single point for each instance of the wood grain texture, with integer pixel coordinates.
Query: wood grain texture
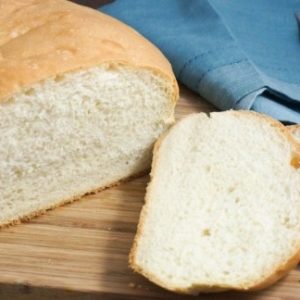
(80, 251)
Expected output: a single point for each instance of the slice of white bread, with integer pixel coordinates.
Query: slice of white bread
(83, 98)
(222, 210)
(295, 130)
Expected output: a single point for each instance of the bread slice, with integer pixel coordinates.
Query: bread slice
(222, 210)
(83, 98)
(295, 130)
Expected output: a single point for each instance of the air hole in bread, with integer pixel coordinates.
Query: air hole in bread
(8, 101)
(30, 92)
(59, 78)
(206, 232)
(112, 67)
(231, 189)
(295, 161)
(208, 169)
(237, 200)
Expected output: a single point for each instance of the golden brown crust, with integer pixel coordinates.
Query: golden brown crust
(294, 128)
(70, 200)
(44, 38)
(279, 271)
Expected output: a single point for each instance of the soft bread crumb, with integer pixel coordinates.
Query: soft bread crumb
(223, 207)
(76, 133)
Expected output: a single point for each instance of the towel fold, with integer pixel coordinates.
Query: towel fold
(237, 54)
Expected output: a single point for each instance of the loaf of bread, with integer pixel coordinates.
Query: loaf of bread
(83, 98)
(222, 210)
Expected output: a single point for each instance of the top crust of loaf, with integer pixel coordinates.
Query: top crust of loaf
(279, 270)
(45, 38)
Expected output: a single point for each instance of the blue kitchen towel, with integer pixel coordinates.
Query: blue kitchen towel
(237, 54)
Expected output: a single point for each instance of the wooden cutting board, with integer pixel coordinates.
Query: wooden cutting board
(80, 251)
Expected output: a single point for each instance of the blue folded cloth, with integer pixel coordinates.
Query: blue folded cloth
(237, 54)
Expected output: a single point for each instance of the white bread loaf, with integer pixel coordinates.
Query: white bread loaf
(83, 97)
(222, 210)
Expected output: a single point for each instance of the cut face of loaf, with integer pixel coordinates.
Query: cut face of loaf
(223, 207)
(78, 133)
